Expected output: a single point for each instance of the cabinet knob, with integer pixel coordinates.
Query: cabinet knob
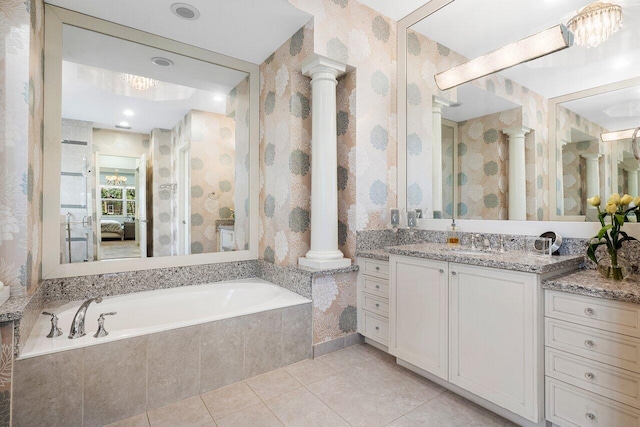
(377, 305)
(377, 328)
(590, 416)
(441, 271)
(590, 376)
(453, 273)
(377, 267)
(590, 343)
(377, 286)
(589, 311)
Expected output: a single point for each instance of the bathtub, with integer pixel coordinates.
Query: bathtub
(155, 311)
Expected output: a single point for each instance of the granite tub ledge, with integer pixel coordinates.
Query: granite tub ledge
(510, 260)
(590, 283)
(14, 308)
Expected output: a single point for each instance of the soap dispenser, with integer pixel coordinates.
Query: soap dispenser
(453, 239)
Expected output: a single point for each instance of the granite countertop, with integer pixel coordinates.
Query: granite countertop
(379, 254)
(510, 260)
(325, 272)
(13, 309)
(591, 283)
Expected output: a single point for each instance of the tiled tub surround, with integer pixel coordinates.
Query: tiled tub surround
(96, 385)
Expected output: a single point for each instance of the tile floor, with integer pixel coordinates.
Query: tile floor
(356, 386)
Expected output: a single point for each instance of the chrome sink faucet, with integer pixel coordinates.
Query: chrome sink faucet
(77, 326)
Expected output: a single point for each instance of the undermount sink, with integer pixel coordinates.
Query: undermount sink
(462, 251)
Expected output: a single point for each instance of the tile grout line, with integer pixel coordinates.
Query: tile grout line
(326, 404)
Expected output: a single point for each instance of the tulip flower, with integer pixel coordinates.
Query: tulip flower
(595, 201)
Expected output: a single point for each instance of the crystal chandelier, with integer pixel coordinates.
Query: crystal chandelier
(595, 23)
(116, 179)
(138, 82)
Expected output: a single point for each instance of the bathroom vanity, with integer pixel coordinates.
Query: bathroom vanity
(472, 322)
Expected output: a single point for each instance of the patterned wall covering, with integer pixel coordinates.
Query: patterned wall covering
(425, 58)
(334, 306)
(161, 178)
(483, 166)
(21, 117)
(238, 103)
(570, 190)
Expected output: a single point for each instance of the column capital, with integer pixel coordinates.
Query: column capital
(320, 64)
(439, 102)
(517, 131)
(591, 156)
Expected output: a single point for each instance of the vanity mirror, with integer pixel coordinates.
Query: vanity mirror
(150, 150)
(502, 162)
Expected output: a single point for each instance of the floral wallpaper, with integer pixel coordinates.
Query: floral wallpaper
(334, 306)
(571, 185)
(161, 179)
(425, 58)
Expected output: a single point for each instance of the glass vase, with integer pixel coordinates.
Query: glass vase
(614, 267)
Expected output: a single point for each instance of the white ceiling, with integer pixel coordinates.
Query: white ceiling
(475, 102)
(94, 91)
(617, 110)
(250, 30)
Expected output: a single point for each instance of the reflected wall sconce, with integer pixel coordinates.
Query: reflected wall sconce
(527, 49)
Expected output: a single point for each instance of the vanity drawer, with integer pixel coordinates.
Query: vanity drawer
(376, 327)
(376, 286)
(606, 347)
(614, 383)
(376, 304)
(614, 316)
(375, 268)
(570, 406)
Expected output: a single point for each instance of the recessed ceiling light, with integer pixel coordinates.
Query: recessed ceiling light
(128, 113)
(218, 98)
(163, 62)
(123, 124)
(185, 11)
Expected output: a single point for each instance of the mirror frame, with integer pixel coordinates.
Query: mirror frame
(55, 18)
(553, 139)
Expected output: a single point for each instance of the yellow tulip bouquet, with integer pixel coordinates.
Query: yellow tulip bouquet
(611, 235)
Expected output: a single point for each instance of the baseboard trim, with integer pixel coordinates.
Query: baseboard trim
(326, 347)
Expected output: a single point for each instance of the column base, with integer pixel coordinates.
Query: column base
(322, 264)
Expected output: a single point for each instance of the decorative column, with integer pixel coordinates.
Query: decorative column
(632, 178)
(324, 252)
(436, 158)
(517, 177)
(560, 179)
(593, 175)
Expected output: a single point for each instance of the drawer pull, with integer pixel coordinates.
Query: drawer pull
(377, 305)
(377, 328)
(377, 267)
(589, 311)
(453, 273)
(590, 416)
(590, 344)
(377, 286)
(441, 271)
(590, 376)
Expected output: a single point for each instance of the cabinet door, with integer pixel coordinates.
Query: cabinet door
(494, 328)
(418, 313)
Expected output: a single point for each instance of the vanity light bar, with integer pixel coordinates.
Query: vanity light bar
(618, 135)
(532, 47)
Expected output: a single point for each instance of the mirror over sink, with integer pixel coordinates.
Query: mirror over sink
(489, 148)
(150, 150)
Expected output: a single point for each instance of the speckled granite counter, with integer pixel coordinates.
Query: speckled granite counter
(592, 284)
(14, 308)
(379, 254)
(510, 260)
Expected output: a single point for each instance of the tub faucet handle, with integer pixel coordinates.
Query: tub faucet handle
(55, 331)
(102, 332)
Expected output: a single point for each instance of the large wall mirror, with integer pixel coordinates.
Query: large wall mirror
(150, 151)
(485, 149)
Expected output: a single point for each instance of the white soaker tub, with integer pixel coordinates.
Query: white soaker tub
(148, 312)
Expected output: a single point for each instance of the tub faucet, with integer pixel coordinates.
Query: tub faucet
(77, 326)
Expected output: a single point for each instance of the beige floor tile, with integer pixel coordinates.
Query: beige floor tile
(273, 384)
(230, 399)
(137, 421)
(309, 371)
(257, 415)
(345, 358)
(454, 411)
(402, 422)
(187, 413)
(301, 408)
(358, 406)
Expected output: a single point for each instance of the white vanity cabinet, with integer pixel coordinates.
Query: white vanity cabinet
(373, 301)
(418, 306)
(478, 328)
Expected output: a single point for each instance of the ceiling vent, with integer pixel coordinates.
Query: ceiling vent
(185, 11)
(163, 62)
